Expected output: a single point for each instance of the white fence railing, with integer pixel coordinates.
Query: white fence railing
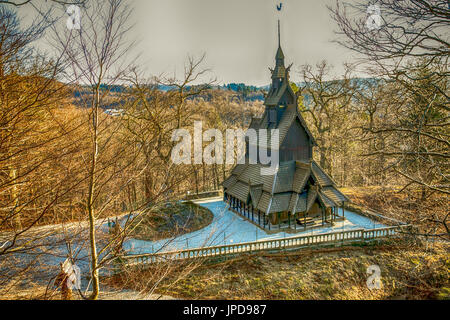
(342, 237)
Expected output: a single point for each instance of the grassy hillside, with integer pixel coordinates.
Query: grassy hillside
(406, 273)
(173, 219)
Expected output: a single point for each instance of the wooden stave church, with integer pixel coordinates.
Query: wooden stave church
(300, 190)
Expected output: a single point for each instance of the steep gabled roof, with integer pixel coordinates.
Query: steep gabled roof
(264, 201)
(301, 203)
(334, 194)
(286, 121)
(290, 114)
(280, 202)
(285, 177)
(275, 95)
(251, 174)
(320, 176)
(238, 169)
(328, 203)
(312, 196)
(298, 202)
(308, 132)
(255, 194)
(240, 190)
(302, 173)
(230, 181)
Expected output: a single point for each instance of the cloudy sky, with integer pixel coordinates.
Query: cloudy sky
(239, 37)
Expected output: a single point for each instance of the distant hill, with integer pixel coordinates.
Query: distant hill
(242, 91)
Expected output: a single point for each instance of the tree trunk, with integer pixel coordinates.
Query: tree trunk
(90, 202)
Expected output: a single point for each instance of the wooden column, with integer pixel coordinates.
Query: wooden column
(305, 221)
(295, 221)
(324, 215)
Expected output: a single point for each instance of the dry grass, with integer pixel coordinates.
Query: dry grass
(407, 273)
(407, 206)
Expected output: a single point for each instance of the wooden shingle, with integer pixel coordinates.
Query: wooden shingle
(335, 195)
(240, 191)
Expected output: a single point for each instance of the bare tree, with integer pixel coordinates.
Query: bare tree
(326, 103)
(33, 2)
(94, 59)
(409, 49)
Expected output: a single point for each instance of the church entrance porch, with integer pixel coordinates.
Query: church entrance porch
(316, 217)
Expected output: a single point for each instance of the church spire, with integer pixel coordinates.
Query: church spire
(280, 70)
(280, 92)
(279, 36)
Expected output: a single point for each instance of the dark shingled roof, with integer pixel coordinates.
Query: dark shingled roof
(320, 176)
(328, 203)
(230, 181)
(285, 177)
(301, 204)
(252, 174)
(286, 189)
(240, 191)
(298, 203)
(255, 193)
(238, 169)
(335, 195)
(289, 115)
(263, 204)
(274, 96)
(301, 176)
(280, 202)
(312, 196)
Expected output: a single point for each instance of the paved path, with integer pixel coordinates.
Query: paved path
(228, 228)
